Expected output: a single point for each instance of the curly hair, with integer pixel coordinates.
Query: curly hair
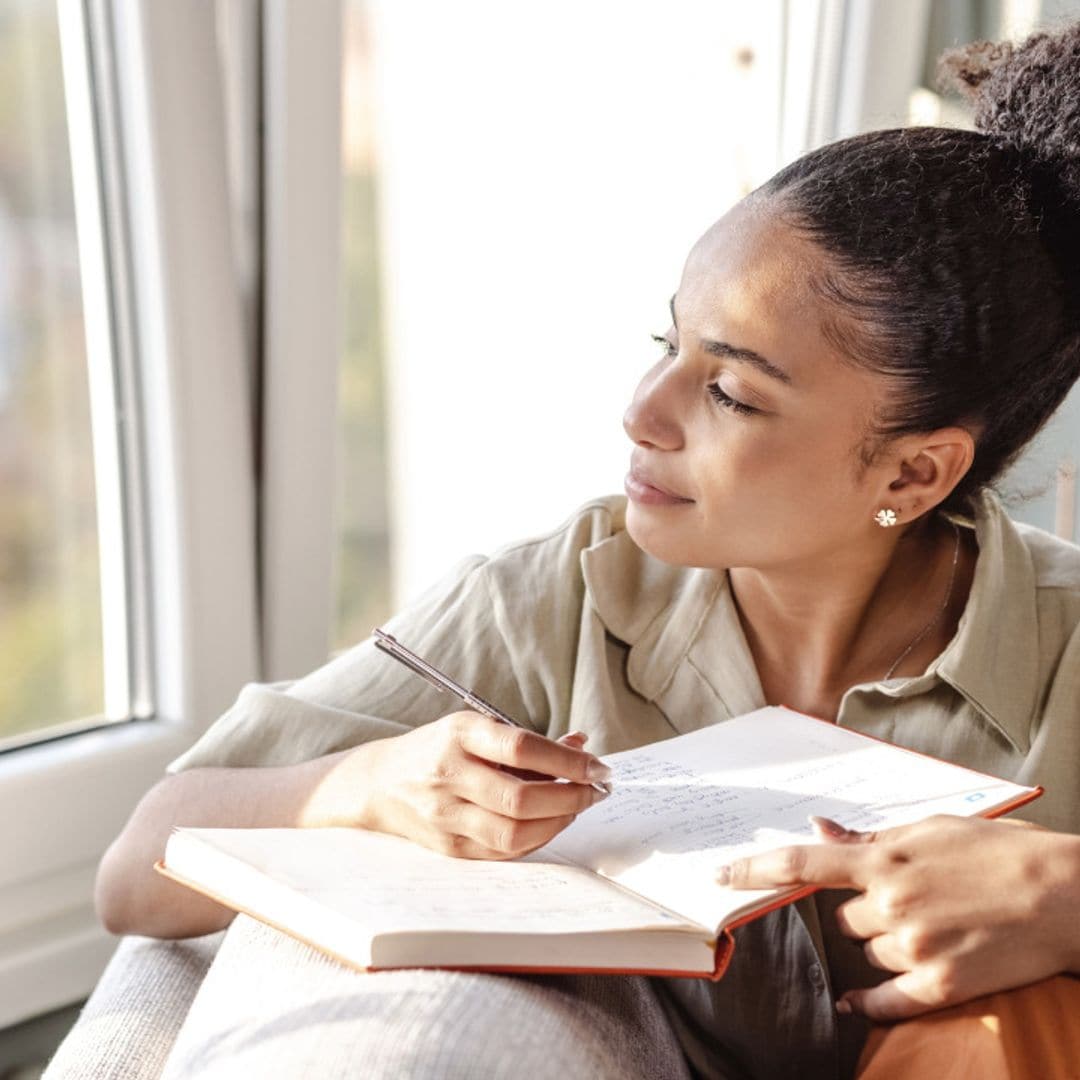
(952, 257)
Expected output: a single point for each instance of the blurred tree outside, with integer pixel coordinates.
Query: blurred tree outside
(363, 526)
(51, 664)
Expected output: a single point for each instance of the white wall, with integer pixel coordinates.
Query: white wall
(544, 169)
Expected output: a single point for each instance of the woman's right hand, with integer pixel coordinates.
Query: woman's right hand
(446, 785)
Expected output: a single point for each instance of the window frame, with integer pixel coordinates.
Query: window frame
(168, 294)
(301, 332)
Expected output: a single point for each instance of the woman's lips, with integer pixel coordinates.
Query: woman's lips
(640, 489)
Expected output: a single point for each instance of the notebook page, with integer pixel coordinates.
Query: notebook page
(386, 883)
(680, 808)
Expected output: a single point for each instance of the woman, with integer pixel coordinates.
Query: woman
(856, 351)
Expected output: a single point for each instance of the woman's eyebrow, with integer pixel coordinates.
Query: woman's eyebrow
(722, 348)
(748, 356)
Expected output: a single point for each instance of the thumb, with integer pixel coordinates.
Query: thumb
(575, 739)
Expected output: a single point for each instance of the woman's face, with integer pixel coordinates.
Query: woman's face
(747, 430)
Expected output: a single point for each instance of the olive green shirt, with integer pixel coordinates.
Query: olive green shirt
(580, 629)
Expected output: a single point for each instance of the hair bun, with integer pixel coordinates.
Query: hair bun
(1026, 96)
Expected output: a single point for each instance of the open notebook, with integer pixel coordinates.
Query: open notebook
(629, 886)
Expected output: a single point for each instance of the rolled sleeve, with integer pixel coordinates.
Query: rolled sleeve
(363, 695)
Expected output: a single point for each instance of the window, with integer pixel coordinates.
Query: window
(534, 201)
(363, 555)
(51, 658)
(132, 95)
(949, 24)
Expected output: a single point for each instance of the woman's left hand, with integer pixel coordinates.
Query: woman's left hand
(959, 907)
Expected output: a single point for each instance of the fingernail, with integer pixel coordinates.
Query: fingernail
(577, 735)
(597, 770)
(843, 1007)
(599, 794)
(828, 826)
(723, 875)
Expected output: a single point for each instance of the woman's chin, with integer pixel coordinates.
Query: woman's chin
(663, 540)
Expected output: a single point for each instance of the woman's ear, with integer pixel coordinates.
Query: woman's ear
(930, 467)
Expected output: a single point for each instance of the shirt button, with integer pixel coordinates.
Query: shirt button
(816, 977)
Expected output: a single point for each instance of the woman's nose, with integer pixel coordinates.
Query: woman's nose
(652, 418)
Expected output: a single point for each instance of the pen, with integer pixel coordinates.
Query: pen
(390, 645)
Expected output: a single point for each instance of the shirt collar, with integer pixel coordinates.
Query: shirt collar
(993, 658)
(655, 608)
(687, 650)
(674, 617)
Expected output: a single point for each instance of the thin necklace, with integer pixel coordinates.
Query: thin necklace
(940, 611)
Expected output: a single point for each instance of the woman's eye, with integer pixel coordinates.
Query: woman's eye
(714, 388)
(729, 402)
(669, 349)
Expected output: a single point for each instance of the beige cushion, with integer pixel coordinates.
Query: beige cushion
(129, 1024)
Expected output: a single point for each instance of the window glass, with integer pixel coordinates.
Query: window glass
(51, 667)
(535, 208)
(1040, 489)
(363, 532)
(951, 23)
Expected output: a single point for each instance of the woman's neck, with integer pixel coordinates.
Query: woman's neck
(815, 633)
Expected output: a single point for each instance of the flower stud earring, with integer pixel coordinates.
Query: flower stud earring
(885, 518)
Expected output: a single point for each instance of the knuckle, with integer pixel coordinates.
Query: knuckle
(893, 903)
(738, 872)
(520, 837)
(445, 749)
(916, 943)
(883, 863)
(451, 844)
(1032, 904)
(512, 801)
(453, 725)
(943, 986)
(792, 863)
(442, 773)
(441, 809)
(871, 950)
(507, 838)
(939, 821)
(516, 741)
(1018, 824)
(843, 919)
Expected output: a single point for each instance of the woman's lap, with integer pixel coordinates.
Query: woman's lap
(273, 1007)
